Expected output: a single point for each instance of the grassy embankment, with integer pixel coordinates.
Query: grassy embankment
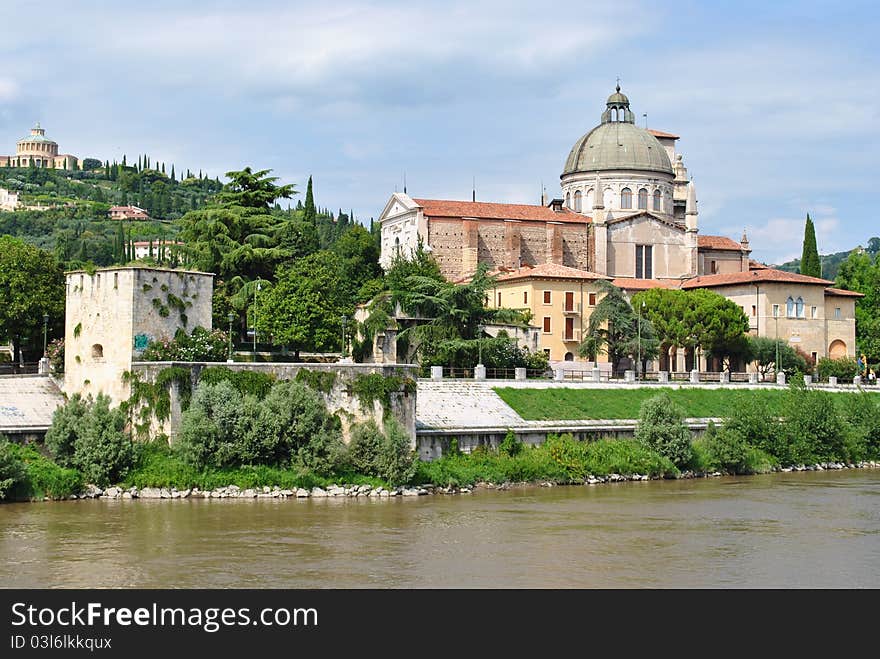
(587, 404)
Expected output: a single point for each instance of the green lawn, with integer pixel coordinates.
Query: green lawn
(569, 404)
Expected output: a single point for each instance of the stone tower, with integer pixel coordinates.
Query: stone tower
(113, 313)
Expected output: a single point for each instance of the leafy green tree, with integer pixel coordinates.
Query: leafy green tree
(102, 451)
(719, 325)
(359, 259)
(304, 309)
(861, 272)
(383, 453)
(614, 328)
(764, 350)
(31, 285)
(250, 189)
(810, 264)
(12, 468)
(66, 423)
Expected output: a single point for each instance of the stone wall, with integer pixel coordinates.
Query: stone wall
(340, 400)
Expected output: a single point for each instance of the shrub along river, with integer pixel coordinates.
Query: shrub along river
(800, 529)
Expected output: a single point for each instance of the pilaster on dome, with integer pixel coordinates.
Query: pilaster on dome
(617, 108)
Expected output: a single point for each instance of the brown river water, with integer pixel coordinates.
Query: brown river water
(793, 530)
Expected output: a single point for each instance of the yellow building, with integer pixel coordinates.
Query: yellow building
(39, 151)
(559, 298)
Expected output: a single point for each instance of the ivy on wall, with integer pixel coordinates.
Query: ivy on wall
(321, 381)
(372, 387)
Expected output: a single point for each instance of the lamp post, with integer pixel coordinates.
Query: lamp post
(344, 346)
(230, 317)
(776, 341)
(480, 330)
(255, 320)
(639, 329)
(45, 329)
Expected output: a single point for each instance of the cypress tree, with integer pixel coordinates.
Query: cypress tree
(119, 252)
(150, 253)
(311, 214)
(172, 172)
(123, 160)
(810, 263)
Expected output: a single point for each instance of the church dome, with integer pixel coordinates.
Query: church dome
(617, 143)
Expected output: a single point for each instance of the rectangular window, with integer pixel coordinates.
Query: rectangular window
(713, 267)
(569, 300)
(569, 329)
(546, 297)
(547, 352)
(644, 262)
(499, 298)
(546, 324)
(775, 310)
(814, 355)
(116, 281)
(754, 310)
(814, 312)
(525, 297)
(837, 313)
(592, 299)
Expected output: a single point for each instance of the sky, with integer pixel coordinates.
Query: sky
(776, 103)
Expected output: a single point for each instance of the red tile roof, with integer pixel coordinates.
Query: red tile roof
(756, 265)
(633, 284)
(491, 211)
(718, 242)
(660, 133)
(549, 271)
(843, 293)
(751, 277)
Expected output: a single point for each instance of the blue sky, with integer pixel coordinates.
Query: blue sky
(777, 103)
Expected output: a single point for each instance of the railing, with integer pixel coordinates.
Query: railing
(16, 369)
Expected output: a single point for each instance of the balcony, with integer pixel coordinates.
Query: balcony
(572, 308)
(572, 337)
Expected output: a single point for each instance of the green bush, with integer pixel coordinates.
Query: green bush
(661, 428)
(862, 412)
(626, 456)
(728, 451)
(814, 428)
(845, 368)
(752, 418)
(201, 345)
(384, 454)
(294, 425)
(510, 445)
(212, 430)
(45, 478)
(66, 423)
(102, 451)
(12, 470)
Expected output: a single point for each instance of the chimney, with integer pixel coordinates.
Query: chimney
(556, 205)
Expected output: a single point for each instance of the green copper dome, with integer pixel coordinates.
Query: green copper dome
(617, 143)
(36, 138)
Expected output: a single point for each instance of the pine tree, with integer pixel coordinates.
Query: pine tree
(810, 263)
(311, 214)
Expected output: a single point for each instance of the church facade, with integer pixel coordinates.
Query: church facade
(628, 214)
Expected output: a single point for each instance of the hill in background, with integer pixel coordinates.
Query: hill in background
(831, 262)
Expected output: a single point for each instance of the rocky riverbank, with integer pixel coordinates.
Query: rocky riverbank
(379, 492)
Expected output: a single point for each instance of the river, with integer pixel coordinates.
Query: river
(809, 529)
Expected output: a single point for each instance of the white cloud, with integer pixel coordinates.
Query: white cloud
(8, 90)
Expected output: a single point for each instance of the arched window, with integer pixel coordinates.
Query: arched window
(568, 200)
(789, 307)
(569, 357)
(626, 198)
(397, 246)
(577, 201)
(97, 351)
(799, 305)
(656, 200)
(643, 199)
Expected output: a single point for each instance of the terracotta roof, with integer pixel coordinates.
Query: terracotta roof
(753, 276)
(491, 211)
(843, 293)
(756, 265)
(633, 284)
(549, 271)
(718, 242)
(660, 133)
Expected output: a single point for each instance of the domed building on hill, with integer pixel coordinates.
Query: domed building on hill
(628, 213)
(37, 150)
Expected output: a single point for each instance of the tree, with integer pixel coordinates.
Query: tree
(359, 258)
(861, 272)
(614, 328)
(305, 307)
(666, 309)
(251, 189)
(31, 285)
(661, 428)
(764, 351)
(810, 264)
(719, 326)
(310, 215)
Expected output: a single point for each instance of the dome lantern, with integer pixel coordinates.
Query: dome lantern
(617, 108)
